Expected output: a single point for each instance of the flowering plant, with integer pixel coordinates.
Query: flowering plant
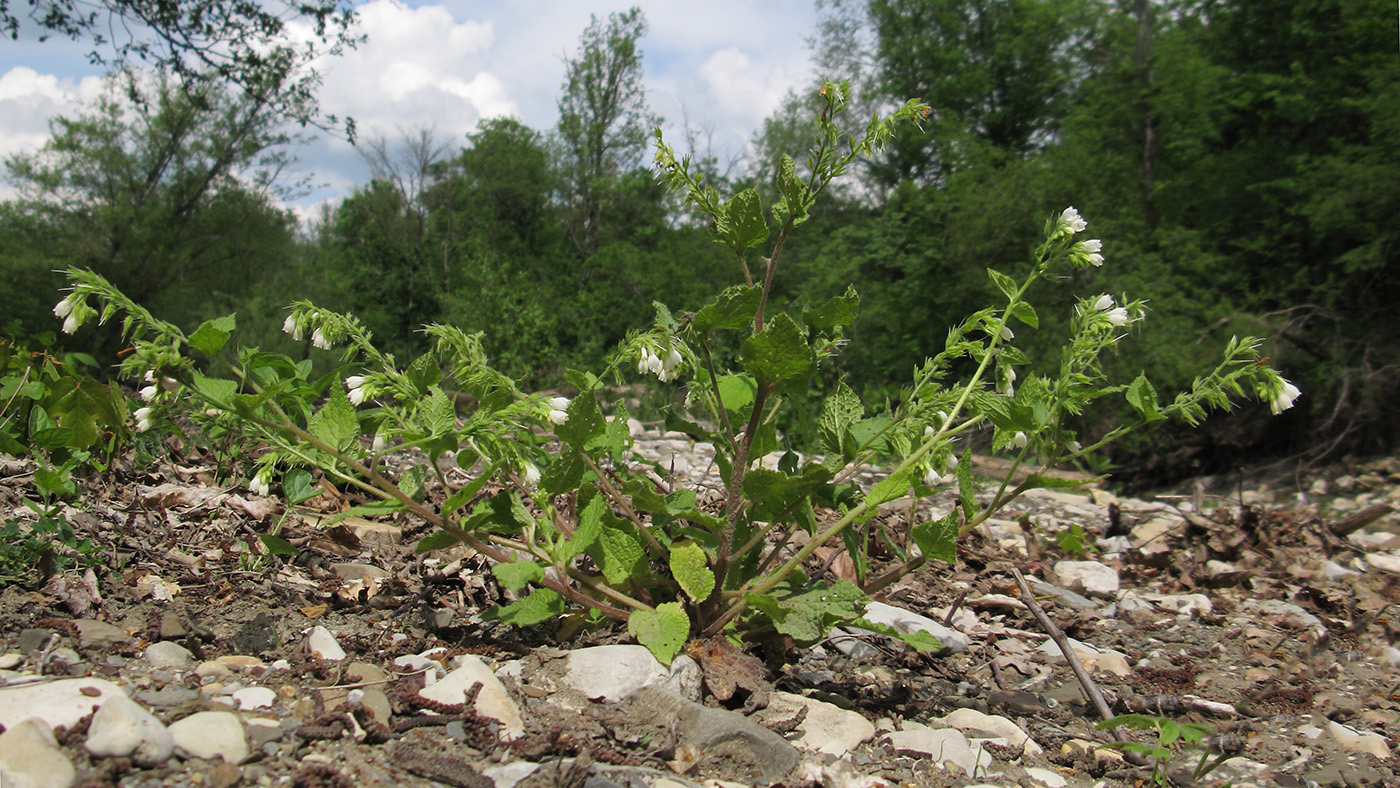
(576, 526)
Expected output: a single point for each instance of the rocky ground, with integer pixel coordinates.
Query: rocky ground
(1263, 611)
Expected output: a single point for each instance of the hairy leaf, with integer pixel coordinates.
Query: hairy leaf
(515, 575)
(211, 335)
(732, 309)
(541, 605)
(690, 568)
(663, 630)
(780, 354)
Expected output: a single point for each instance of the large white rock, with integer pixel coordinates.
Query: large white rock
(611, 673)
(968, 720)
(322, 644)
(1359, 741)
(30, 758)
(57, 703)
(121, 728)
(826, 728)
(493, 700)
(211, 734)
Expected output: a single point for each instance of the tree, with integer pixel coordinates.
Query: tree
(604, 125)
(166, 192)
(251, 45)
(996, 73)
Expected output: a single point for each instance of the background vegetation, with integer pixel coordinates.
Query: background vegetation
(1239, 158)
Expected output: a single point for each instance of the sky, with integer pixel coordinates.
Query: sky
(722, 66)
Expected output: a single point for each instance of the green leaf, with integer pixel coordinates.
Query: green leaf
(618, 553)
(889, 488)
(732, 309)
(737, 392)
(277, 545)
(690, 567)
(840, 412)
(590, 527)
(1143, 398)
(740, 221)
(1025, 313)
(938, 539)
(211, 336)
(468, 491)
(565, 473)
(809, 616)
(413, 483)
(585, 422)
(967, 487)
(518, 574)
(218, 389)
(335, 423)
(423, 373)
(778, 355)
(54, 483)
(663, 630)
(44, 433)
(795, 199)
(772, 493)
(919, 639)
(439, 415)
(541, 605)
(298, 486)
(1004, 283)
(835, 311)
(437, 540)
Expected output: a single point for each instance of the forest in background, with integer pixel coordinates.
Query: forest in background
(1240, 160)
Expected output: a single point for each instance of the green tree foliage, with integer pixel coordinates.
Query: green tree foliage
(994, 71)
(167, 191)
(604, 126)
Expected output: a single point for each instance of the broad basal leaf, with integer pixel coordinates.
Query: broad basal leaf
(663, 630)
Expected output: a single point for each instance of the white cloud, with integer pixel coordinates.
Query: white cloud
(452, 64)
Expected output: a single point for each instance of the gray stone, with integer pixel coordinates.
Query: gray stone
(211, 734)
(168, 655)
(99, 633)
(30, 758)
(686, 678)
(56, 703)
(121, 728)
(493, 700)
(167, 697)
(753, 752)
(1063, 596)
(611, 673)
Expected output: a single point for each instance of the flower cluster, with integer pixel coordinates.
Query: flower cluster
(357, 390)
(1117, 315)
(1286, 396)
(296, 328)
(259, 484)
(1084, 252)
(558, 412)
(145, 418)
(933, 477)
(664, 368)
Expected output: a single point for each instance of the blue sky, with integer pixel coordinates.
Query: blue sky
(724, 65)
